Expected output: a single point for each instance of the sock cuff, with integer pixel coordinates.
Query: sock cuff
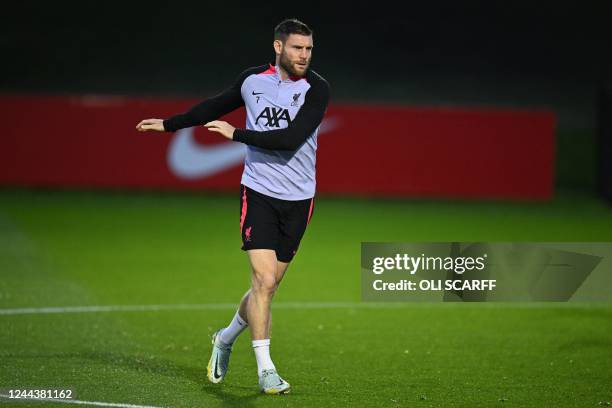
(261, 343)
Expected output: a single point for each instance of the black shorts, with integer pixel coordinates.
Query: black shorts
(270, 223)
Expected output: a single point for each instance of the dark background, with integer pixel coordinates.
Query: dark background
(525, 54)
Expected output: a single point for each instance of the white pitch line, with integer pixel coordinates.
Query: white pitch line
(115, 308)
(293, 305)
(202, 306)
(71, 401)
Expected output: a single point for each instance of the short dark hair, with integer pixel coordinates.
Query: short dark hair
(290, 26)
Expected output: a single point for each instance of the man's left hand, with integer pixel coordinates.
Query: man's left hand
(222, 127)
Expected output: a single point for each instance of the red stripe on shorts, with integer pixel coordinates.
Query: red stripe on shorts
(244, 208)
(310, 210)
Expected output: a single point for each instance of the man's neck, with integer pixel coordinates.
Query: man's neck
(283, 74)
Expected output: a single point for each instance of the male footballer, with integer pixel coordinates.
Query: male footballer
(285, 104)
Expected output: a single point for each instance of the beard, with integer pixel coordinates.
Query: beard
(288, 66)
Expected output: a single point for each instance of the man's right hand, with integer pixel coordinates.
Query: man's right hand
(151, 124)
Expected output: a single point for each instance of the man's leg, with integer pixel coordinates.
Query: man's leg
(281, 268)
(224, 338)
(241, 320)
(263, 286)
(264, 282)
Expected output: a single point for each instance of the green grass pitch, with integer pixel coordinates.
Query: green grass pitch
(61, 249)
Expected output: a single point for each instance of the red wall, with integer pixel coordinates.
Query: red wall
(91, 141)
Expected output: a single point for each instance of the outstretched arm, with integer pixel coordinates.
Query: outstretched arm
(201, 113)
(305, 122)
(205, 111)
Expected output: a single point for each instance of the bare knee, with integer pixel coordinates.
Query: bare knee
(264, 283)
(264, 277)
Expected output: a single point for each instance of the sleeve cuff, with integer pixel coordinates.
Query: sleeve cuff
(239, 135)
(168, 126)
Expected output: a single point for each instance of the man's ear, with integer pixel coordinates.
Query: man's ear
(278, 46)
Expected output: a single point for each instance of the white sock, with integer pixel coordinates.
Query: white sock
(231, 332)
(262, 355)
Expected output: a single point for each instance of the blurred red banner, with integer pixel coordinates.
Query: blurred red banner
(91, 141)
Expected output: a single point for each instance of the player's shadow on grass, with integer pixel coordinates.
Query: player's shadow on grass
(168, 368)
(173, 369)
(229, 399)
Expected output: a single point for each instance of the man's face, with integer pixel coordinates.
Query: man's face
(295, 54)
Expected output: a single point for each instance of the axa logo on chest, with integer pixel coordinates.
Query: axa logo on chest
(273, 116)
